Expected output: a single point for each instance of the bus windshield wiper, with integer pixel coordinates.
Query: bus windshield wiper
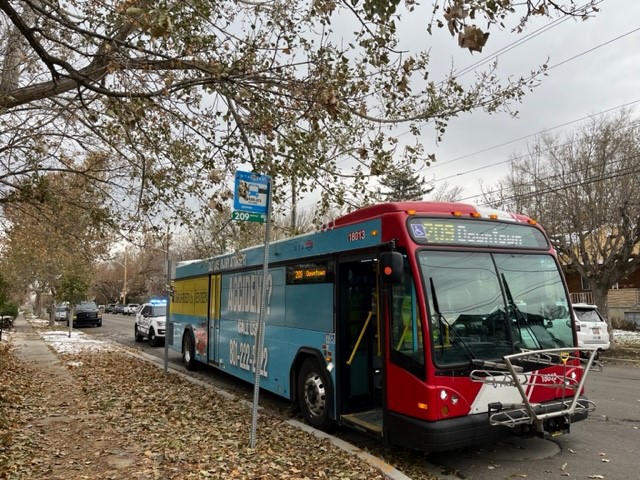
(442, 321)
(519, 317)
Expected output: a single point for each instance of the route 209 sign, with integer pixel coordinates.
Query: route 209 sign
(251, 197)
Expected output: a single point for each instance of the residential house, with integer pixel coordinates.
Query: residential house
(623, 298)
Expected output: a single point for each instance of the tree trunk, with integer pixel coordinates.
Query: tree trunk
(52, 314)
(600, 298)
(37, 304)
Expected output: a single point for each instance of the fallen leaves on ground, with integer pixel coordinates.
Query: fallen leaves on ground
(114, 416)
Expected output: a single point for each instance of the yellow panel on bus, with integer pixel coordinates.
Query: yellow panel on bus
(214, 303)
(191, 297)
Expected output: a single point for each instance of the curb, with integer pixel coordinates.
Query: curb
(620, 361)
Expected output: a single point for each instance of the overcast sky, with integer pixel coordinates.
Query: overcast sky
(594, 67)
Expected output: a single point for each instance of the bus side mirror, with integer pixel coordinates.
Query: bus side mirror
(391, 266)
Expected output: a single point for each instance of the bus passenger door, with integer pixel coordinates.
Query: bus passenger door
(360, 384)
(215, 287)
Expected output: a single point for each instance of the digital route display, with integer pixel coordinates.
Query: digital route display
(486, 233)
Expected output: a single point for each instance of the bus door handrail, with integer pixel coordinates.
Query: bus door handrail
(364, 328)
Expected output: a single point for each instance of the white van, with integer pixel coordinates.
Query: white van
(591, 327)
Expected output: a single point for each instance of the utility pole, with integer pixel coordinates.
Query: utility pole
(124, 285)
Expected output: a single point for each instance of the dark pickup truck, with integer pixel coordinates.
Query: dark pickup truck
(86, 314)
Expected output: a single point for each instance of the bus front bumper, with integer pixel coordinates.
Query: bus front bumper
(461, 432)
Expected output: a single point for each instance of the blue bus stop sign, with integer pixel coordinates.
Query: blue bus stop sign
(251, 193)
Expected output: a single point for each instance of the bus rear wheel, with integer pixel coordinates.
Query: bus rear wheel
(314, 395)
(189, 351)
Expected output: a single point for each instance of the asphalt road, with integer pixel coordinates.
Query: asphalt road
(605, 446)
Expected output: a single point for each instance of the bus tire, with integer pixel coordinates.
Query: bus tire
(189, 351)
(314, 395)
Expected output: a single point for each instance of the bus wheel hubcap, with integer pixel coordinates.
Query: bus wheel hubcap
(314, 395)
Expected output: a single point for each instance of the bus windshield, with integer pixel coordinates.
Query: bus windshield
(487, 305)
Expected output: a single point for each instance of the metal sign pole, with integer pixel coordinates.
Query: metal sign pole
(259, 341)
(167, 322)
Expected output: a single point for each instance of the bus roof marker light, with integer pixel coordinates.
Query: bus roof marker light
(412, 212)
(475, 214)
(493, 216)
(456, 214)
(532, 222)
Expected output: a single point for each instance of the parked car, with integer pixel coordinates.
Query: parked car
(61, 313)
(119, 308)
(109, 308)
(6, 322)
(151, 321)
(591, 327)
(86, 313)
(131, 308)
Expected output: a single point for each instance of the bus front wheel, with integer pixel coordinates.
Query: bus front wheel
(314, 395)
(189, 351)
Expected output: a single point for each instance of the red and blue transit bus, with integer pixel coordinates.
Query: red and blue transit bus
(429, 325)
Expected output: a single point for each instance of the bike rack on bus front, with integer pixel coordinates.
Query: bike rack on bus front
(510, 373)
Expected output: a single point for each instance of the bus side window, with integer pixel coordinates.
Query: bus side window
(406, 338)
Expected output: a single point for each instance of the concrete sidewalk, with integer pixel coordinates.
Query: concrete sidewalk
(30, 347)
(29, 344)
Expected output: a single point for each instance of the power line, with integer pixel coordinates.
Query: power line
(523, 40)
(511, 46)
(576, 183)
(510, 160)
(586, 181)
(515, 44)
(594, 48)
(557, 126)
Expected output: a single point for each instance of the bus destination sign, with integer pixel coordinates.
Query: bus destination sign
(475, 232)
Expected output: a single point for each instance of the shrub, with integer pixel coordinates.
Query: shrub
(9, 309)
(624, 324)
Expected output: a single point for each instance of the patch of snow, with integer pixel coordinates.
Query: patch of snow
(61, 342)
(78, 342)
(625, 336)
(38, 322)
